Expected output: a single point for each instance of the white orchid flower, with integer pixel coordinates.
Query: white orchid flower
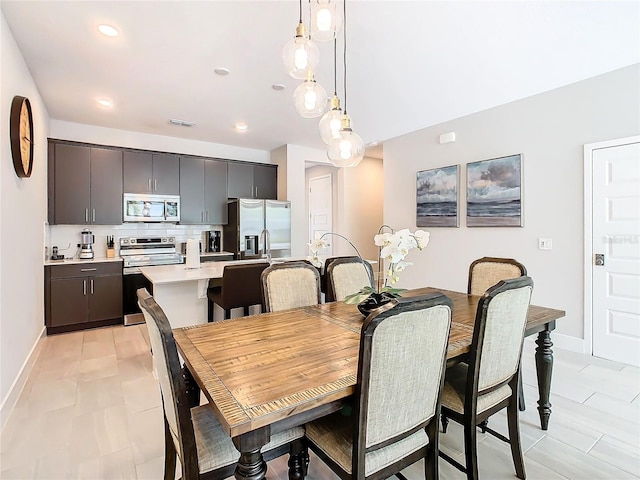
(400, 266)
(315, 261)
(392, 253)
(382, 239)
(422, 238)
(317, 245)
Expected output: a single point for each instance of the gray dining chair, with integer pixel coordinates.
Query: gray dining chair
(290, 285)
(488, 382)
(484, 273)
(345, 276)
(194, 434)
(396, 405)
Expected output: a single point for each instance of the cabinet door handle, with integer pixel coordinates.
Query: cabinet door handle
(84, 287)
(206, 215)
(155, 184)
(149, 183)
(88, 269)
(91, 286)
(256, 192)
(93, 215)
(86, 215)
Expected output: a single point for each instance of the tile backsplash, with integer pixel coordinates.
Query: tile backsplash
(67, 237)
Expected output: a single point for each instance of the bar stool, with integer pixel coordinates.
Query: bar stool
(240, 288)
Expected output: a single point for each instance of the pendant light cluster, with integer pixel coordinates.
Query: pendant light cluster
(300, 55)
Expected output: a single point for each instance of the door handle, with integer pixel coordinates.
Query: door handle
(155, 184)
(599, 259)
(91, 286)
(93, 215)
(86, 215)
(88, 269)
(149, 185)
(84, 287)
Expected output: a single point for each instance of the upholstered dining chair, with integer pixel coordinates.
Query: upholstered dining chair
(194, 434)
(240, 287)
(485, 272)
(488, 383)
(396, 405)
(345, 276)
(290, 285)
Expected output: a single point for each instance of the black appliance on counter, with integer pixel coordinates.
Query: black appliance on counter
(212, 241)
(139, 252)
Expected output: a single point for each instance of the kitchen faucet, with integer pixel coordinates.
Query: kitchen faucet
(267, 244)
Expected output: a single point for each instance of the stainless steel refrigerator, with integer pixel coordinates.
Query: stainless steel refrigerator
(257, 228)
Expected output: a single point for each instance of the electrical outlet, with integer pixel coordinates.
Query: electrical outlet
(545, 244)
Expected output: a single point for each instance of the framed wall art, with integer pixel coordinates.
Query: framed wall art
(494, 192)
(437, 197)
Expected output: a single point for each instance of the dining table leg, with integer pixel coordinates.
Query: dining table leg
(544, 368)
(251, 464)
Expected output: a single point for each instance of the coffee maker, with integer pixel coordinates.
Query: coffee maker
(86, 241)
(212, 240)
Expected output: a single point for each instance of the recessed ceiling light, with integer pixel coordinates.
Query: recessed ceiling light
(108, 30)
(222, 71)
(372, 144)
(181, 123)
(105, 102)
(241, 127)
(278, 86)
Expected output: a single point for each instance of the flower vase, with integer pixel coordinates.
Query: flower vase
(374, 301)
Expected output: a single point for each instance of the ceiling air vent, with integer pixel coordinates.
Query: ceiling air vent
(181, 123)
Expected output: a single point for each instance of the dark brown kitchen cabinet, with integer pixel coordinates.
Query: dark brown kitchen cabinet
(86, 187)
(203, 191)
(146, 172)
(248, 180)
(80, 296)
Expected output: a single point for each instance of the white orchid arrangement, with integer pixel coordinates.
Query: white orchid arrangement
(393, 248)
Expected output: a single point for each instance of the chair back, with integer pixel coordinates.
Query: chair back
(345, 276)
(166, 363)
(290, 285)
(241, 285)
(496, 347)
(397, 399)
(487, 271)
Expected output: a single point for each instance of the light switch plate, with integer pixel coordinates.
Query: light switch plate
(545, 244)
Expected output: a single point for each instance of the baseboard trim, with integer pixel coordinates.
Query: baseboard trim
(18, 384)
(565, 342)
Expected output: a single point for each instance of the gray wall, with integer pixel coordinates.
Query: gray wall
(550, 130)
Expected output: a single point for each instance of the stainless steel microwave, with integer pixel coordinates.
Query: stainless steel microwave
(151, 208)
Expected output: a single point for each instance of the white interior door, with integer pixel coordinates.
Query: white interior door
(320, 210)
(616, 236)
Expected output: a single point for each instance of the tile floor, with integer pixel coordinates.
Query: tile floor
(91, 410)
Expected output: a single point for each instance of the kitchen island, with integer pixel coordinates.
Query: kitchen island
(182, 292)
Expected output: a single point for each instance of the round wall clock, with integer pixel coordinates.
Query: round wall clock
(21, 135)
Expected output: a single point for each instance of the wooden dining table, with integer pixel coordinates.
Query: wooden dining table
(266, 373)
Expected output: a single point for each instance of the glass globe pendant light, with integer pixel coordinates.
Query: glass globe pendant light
(309, 98)
(326, 20)
(331, 122)
(347, 149)
(300, 53)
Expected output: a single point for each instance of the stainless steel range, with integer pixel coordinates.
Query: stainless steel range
(139, 252)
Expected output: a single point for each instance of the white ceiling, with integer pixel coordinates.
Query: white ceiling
(410, 64)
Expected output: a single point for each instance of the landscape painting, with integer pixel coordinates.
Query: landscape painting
(437, 197)
(494, 192)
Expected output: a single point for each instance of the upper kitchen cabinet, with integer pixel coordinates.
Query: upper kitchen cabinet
(252, 181)
(151, 173)
(86, 187)
(203, 191)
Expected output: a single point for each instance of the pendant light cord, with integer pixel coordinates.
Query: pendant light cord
(344, 32)
(335, 68)
(300, 11)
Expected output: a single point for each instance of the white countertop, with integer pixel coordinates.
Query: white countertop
(70, 261)
(163, 274)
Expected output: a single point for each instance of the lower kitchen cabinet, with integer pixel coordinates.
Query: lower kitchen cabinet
(80, 296)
